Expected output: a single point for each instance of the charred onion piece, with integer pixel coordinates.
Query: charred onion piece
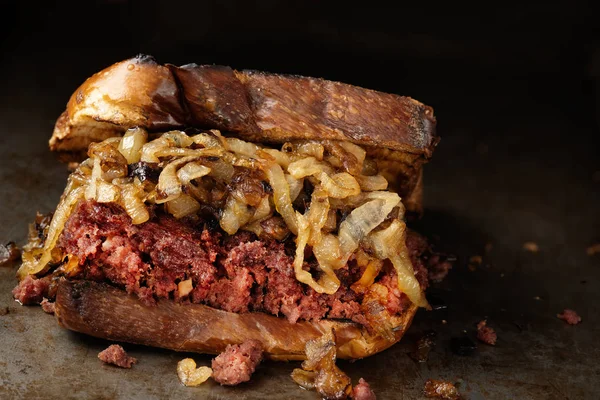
(8, 253)
(320, 372)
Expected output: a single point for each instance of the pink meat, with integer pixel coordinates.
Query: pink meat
(486, 334)
(47, 306)
(31, 290)
(570, 317)
(363, 391)
(238, 273)
(116, 355)
(237, 363)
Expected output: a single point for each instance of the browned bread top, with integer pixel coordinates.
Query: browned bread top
(256, 106)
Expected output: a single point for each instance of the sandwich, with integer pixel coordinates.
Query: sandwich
(209, 206)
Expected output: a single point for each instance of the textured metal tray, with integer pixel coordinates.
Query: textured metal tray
(506, 183)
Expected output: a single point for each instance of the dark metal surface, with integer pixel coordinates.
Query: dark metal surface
(518, 162)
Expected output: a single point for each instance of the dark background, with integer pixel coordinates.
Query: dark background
(515, 90)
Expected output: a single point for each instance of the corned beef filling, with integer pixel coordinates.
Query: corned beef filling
(237, 273)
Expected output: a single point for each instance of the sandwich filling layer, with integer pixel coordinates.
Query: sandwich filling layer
(307, 231)
(188, 261)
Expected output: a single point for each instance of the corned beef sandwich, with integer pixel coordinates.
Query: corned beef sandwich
(218, 206)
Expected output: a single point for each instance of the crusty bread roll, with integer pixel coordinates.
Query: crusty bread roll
(397, 131)
(104, 311)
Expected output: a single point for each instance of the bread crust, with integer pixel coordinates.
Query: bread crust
(103, 311)
(256, 106)
(397, 131)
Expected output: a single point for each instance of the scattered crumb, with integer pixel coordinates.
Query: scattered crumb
(531, 247)
(116, 355)
(570, 317)
(4, 311)
(486, 334)
(502, 275)
(444, 322)
(441, 390)
(593, 249)
(537, 298)
(47, 306)
(474, 262)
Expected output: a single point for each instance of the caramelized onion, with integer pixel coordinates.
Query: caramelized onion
(363, 220)
(131, 144)
(190, 171)
(372, 269)
(133, 204)
(169, 186)
(107, 193)
(149, 149)
(372, 183)
(235, 215)
(296, 186)
(325, 284)
(339, 186)
(281, 196)
(63, 211)
(391, 243)
(182, 206)
(319, 370)
(308, 166)
(240, 147)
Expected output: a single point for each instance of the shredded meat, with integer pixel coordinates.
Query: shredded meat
(570, 317)
(115, 355)
(362, 391)
(237, 363)
(31, 290)
(486, 334)
(238, 273)
(47, 306)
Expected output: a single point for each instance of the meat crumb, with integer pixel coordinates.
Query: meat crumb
(237, 363)
(531, 247)
(362, 391)
(30, 290)
(593, 249)
(570, 317)
(116, 355)
(486, 334)
(47, 306)
(441, 390)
